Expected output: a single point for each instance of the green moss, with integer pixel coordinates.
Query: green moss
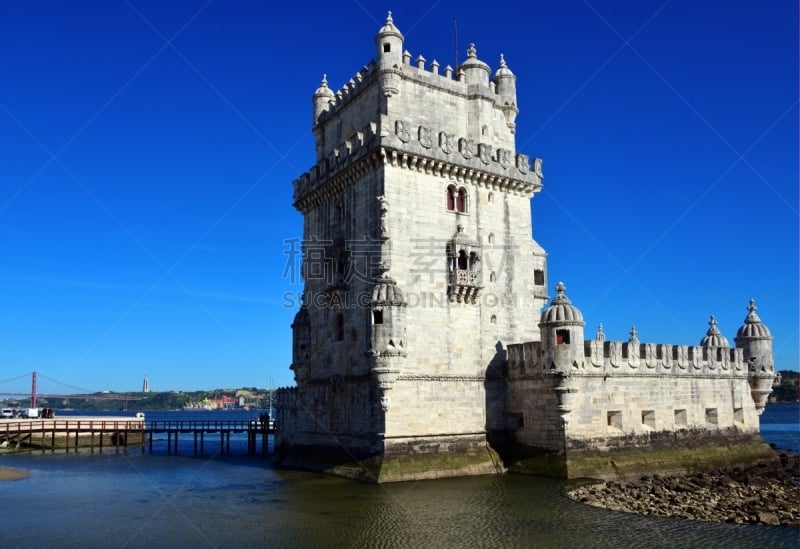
(440, 464)
(636, 461)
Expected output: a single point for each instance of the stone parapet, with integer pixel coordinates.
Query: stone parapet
(624, 358)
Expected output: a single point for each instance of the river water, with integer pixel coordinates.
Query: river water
(140, 500)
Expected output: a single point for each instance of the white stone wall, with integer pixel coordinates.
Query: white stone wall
(650, 405)
(622, 390)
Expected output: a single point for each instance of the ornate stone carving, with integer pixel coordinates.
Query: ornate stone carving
(504, 157)
(523, 162)
(401, 130)
(426, 137)
(384, 207)
(446, 142)
(537, 167)
(485, 152)
(465, 147)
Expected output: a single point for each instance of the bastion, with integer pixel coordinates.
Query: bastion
(420, 351)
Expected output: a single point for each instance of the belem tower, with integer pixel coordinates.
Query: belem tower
(425, 346)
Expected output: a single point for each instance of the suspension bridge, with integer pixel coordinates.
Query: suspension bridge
(80, 394)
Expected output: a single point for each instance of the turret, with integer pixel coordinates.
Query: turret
(755, 341)
(322, 98)
(506, 88)
(475, 71)
(387, 338)
(301, 339)
(562, 332)
(389, 44)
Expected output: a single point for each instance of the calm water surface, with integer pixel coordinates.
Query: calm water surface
(135, 500)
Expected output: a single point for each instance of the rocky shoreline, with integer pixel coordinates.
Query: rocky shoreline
(767, 493)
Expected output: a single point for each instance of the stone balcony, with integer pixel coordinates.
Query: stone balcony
(464, 285)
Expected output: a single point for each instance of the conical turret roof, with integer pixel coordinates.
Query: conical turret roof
(753, 328)
(389, 29)
(561, 309)
(714, 337)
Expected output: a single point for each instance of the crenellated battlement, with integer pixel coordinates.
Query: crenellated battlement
(420, 72)
(338, 158)
(334, 101)
(426, 149)
(629, 358)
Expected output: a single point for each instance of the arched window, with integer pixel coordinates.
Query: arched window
(473, 261)
(461, 200)
(492, 277)
(450, 199)
(491, 238)
(493, 319)
(463, 262)
(456, 199)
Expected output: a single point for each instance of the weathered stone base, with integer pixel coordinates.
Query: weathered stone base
(671, 453)
(402, 459)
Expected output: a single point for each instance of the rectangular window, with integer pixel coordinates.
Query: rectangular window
(614, 419)
(377, 317)
(538, 277)
(680, 418)
(738, 415)
(712, 418)
(562, 337)
(649, 418)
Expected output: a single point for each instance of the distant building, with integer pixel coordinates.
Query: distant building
(146, 385)
(421, 350)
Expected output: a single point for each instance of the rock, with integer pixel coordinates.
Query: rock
(757, 495)
(766, 517)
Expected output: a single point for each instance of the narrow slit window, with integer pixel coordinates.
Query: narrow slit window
(339, 327)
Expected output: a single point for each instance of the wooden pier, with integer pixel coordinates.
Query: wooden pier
(96, 433)
(73, 433)
(257, 432)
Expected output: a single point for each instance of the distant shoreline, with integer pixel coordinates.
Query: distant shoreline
(6, 473)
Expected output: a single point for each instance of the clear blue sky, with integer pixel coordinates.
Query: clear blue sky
(147, 151)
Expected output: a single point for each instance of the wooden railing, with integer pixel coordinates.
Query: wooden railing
(71, 425)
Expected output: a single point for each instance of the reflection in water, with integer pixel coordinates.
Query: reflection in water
(144, 501)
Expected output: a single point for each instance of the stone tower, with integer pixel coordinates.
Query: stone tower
(418, 266)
